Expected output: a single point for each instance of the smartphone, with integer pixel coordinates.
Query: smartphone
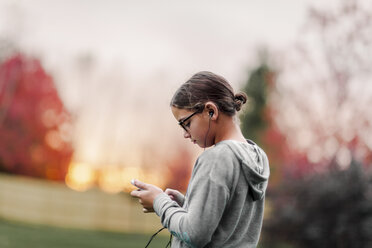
(132, 182)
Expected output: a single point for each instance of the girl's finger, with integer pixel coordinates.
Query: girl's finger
(139, 184)
(135, 193)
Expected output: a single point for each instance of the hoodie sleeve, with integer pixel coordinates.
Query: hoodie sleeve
(207, 199)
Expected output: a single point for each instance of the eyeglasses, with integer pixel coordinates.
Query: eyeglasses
(182, 123)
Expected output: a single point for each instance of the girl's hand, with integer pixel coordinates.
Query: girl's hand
(146, 193)
(176, 196)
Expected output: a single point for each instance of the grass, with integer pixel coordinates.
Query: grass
(21, 235)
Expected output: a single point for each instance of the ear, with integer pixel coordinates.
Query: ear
(211, 110)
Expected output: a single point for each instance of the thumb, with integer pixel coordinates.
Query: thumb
(140, 184)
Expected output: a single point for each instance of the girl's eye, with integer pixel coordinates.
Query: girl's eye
(188, 124)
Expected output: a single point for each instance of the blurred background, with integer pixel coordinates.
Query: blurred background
(85, 88)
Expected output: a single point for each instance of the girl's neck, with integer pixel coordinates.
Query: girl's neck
(229, 130)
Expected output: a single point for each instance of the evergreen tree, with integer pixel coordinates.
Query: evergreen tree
(253, 119)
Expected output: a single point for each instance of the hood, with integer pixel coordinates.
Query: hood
(255, 166)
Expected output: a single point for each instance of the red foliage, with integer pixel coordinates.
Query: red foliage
(179, 171)
(34, 125)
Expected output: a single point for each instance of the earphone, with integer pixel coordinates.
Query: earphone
(211, 113)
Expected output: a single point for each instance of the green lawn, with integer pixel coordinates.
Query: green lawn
(20, 235)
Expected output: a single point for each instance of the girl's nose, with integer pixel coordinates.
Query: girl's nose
(186, 134)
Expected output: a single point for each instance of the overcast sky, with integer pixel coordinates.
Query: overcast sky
(141, 51)
(181, 36)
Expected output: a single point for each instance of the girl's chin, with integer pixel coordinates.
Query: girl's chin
(201, 145)
(196, 143)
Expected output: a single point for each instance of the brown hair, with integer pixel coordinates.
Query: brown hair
(206, 86)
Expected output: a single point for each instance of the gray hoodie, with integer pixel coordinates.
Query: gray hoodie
(224, 202)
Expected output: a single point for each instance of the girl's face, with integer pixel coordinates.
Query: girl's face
(196, 127)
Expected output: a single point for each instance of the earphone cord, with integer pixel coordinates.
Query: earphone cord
(170, 239)
(206, 135)
(161, 229)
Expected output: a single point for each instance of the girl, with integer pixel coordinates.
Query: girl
(224, 202)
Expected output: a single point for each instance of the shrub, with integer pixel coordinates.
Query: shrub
(327, 210)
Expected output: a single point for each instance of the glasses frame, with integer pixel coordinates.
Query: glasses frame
(181, 123)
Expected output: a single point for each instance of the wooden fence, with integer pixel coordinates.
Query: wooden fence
(51, 203)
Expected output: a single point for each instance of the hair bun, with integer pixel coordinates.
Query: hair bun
(240, 99)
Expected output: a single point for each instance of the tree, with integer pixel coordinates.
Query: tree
(323, 97)
(253, 121)
(321, 106)
(35, 129)
(257, 120)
